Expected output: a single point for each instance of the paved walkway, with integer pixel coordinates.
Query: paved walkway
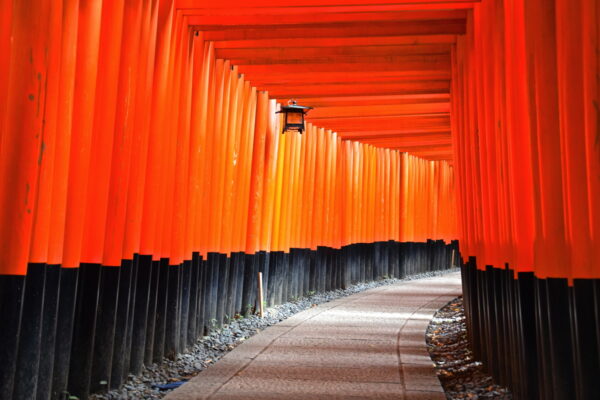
(370, 345)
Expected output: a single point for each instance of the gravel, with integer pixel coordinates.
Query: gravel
(461, 376)
(209, 349)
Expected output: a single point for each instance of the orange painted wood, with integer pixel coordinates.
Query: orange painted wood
(342, 29)
(21, 141)
(104, 126)
(301, 53)
(41, 224)
(159, 147)
(274, 3)
(6, 17)
(181, 141)
(318, 102)
(283, 42)
(257, 174)
(198, 117)
(141, 142)
(88, 36)
(123, 134)
(382, 110)
(213, 21)
(63, 130)
(150, 216)
(329, 9)
(363, 89)
(569, 52)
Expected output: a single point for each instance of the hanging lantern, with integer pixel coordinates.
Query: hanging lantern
(294, 116)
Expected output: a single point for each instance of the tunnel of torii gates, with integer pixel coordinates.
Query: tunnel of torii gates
(145, 180)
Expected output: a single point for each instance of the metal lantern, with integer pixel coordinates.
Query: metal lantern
(294, 116)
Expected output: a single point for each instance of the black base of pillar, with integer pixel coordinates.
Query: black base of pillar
(30, 335)
(124, 300)
(84, 326)
(105, 329)
(160, 324)
(537, 336)
(64, 330)
(76, 331)
(49, 324)
(11, 302)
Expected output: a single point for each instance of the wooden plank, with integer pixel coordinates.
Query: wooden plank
(201, 18)
(385, 28)
(284, 53)
(338, 41)
(179, 4)
(340, 90)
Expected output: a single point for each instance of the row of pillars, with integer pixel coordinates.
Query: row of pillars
(78, 331)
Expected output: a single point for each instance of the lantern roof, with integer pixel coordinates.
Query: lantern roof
(294, 106)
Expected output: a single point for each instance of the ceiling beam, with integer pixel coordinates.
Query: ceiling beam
(254, 4)
(357, 135)
(337, 42)
(385, 28)
(386, 110)
(362, 89)
(427, 65)
(385, 124)
(310, 17)
(292, 77)
(295, 53)
(373, 100)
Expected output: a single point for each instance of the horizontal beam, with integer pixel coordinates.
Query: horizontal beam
(440, 133)
(290, 78)
(251, 4)
(311, 17)
(340, 79)
(437, 64)
(341, 59)
(400, 123)
(318, 10)
(385, 110)
(385, 28)
(296, 53)
(435, 149)
(397, 142)
(339, 42)
(372, 100)
(373, 88)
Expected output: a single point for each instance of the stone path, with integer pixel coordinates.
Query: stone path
(370, 345)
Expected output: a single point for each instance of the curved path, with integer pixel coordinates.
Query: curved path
(370, 345)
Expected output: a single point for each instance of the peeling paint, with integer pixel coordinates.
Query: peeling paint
(27, 189)
(41, 155)
(37, 112)
(597, 108)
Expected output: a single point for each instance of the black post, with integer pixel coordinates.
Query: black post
(105, 329)
(172, 326)
(11, 302)
(64, 330)
(50, 318)
(160, 324)
(152, 307)
(140, 313)
(86, 308)
(30, 335)
(193, 307)
(222, 292)
(123, 309)
(250, 279)
(186, 280)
